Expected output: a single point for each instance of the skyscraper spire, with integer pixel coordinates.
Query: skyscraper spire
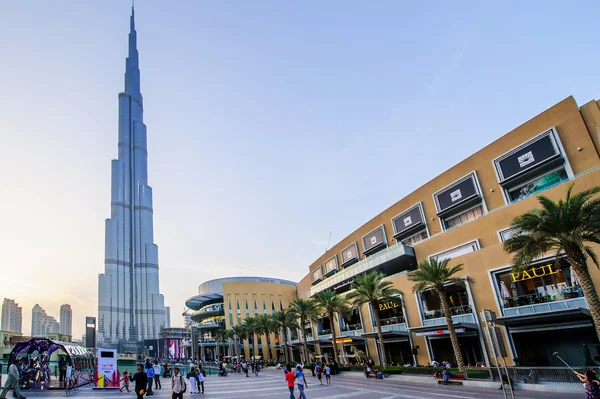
(132, 70)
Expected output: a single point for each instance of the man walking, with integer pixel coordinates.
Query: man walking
(290, 378)
(299, 381)
(141, 381)
(177, 384)
(12, 382)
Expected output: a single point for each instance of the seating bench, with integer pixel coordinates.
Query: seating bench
(455, 379)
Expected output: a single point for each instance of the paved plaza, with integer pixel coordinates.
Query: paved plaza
(271, 384)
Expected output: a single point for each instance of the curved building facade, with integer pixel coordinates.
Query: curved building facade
(225, 302)
(464, 215)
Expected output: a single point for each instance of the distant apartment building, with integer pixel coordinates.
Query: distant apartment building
(167, 317)
(12, 316)
(41, 323)
(66, 319)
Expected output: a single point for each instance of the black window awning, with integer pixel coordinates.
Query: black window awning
(387, 334)
(547, 320)
(442, 329)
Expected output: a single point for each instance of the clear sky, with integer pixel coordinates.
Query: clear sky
(270, 123)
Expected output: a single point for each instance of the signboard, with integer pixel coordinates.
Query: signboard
(496, 342)
(457, 193)
(438, 332)
(527, 156)
(408, 220)
(343, 340)
(534, 272)
(374, 239)
(107, 372)
(350, 253)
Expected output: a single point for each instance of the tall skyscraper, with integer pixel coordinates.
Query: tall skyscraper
(12, 316)
(41, 323)
(66, 319)
(130, 306)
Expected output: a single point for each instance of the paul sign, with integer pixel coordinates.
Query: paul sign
(533, 273)
(387, 305)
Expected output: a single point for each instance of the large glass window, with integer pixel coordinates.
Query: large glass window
(543, 282)
(457, 298)
(351, 323)
(464, 217)
(324, 325)
(390, 313)
(539, 184)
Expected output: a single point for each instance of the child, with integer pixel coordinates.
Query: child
(125, 382)
(328, 374)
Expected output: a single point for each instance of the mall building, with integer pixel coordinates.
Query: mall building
(464, 214)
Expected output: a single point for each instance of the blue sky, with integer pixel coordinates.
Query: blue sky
(270, 124)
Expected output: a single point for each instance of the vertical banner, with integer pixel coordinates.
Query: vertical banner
(107, 373)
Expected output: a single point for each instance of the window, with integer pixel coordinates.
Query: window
(457, 298)
(464, 217)
(457, 251)
(415, 239)
(317, 275)
(547, 281)
(538, 184)
(390, 313)
(505, 234)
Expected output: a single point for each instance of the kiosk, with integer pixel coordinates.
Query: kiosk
(107, 375)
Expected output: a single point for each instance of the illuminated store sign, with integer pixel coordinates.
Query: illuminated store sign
(438, 332)
(534, 272)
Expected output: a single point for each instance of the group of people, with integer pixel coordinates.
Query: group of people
(144, 379)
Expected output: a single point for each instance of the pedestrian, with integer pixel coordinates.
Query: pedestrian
(193, 377)
(336, 366)
(150, 373)
(156, 368)
(62, 369)
(141, 381)
(20, 368)
(200, 377)
(177, 385)
(319, 371)
(12, 382)
(507, 381)
(290, 378)
(590, 384)
(301, 382)
(125, 382)
(328, 374)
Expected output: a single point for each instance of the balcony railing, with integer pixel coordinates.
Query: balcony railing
(325, 336)
(325, 331)
(550, 296)
(352, 330)
(455, 311)
(561, 299)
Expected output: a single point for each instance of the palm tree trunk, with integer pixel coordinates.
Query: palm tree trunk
(333, 337)
(285, 340)
(453, 338)
(268, 335)
(375, 307)
(255, 340)
(304, 344)
(589, 290)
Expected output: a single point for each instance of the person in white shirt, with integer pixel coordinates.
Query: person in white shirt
(156, 368)
(177, 384)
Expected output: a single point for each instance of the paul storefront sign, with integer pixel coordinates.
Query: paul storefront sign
(438, 332)
(387, 305)
(534, 272)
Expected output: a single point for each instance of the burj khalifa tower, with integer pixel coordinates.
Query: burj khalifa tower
(130, 306)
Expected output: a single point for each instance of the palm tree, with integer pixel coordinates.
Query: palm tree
(282, 320)
(372, 289)
(238, 331)
(568, 226)
(221, 335)
(251, 328)
(306, 311)
(436, 276)
(265, 324)
(331, 303)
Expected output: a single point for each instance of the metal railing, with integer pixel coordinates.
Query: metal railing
(528, 375)
(455, 311)
(560, 294)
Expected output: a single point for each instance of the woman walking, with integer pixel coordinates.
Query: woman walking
(192, 375)
(200, 376)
